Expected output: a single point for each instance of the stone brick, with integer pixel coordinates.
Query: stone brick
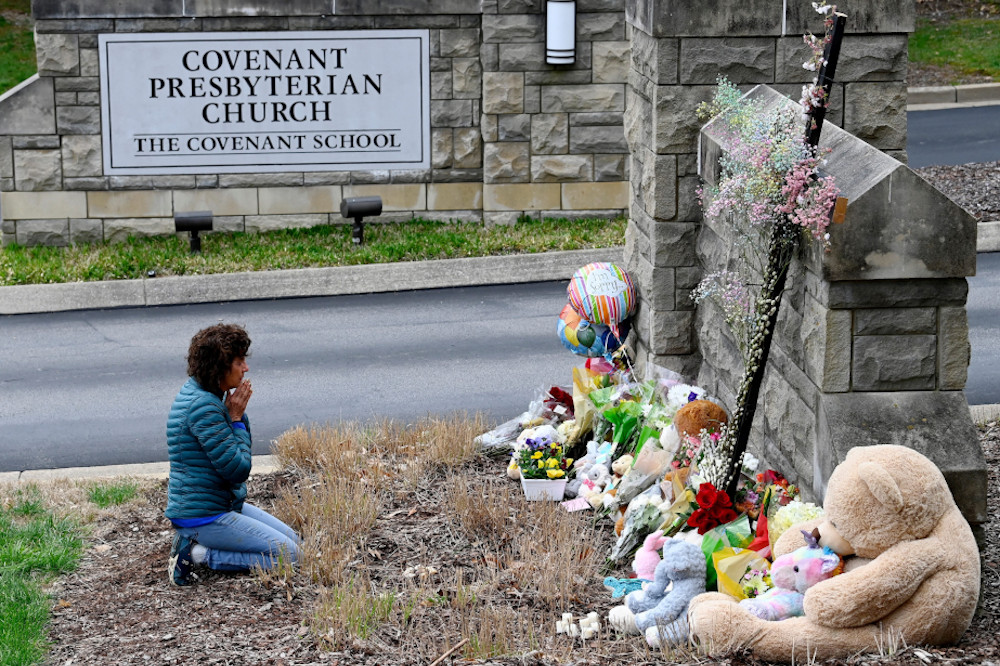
(241, 180)
(468, 149)
(121, 229)
(36, 170)
(440, 64)
(549, 133)
(675, 121)
(489, 56)
(561, 168)
(47, 205)
(454, 196)
(611, 62)
(876, 113)
(597, 139)
(58, 9)
(637, 120)
(297, 200)
(467, 78)
(504, 219)
(895, 293)
(489, 127)
(6, 158)
(507, 28)
(503, 92)
(89, 63)
(595, 196)
(683, 18)
(673, 243)
(862, 58)
(514, 127)
(442, 148)
(895, 321)
(954, 350)
(688, 207)
(81, 27)
(66, 99)
(29, 109)
(786, 416)
(600, 26)
(517, 197)
(532, 99)
(233, 201)
(409, 176)
(43, 232)
(57, 54)
(155, 25)
(506, 162)
(559, 77)
(591, 119)
(598, 97)
(35, 142)
(86, 230)
(441, 85)
(459, 43)
(77, 84)
(131, 204)
(228, 224)
(262, 223)
(658, 185)
(370, 177)
(81, 156)
(85, 184)
(451, 113)
(394, 197)
(530, 57)
(609, 168)
(670, 332)
(878, 16)
(655, 59)
(739, 59)
(457, 176)
(894, 362)
(519, 6)
(88, 99)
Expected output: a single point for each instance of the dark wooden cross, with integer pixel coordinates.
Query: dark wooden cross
(781, 249)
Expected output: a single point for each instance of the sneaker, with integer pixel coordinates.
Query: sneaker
(180, 563)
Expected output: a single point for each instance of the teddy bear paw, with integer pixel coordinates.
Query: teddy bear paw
(671, 633)
(623, 620)
(718, 624)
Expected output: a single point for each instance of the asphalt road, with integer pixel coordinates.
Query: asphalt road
(94, 387)
(953, 136)
(983, 306)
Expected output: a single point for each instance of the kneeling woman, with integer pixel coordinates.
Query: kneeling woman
(208, 440)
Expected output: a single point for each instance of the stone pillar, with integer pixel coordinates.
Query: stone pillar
(679, 48)
(553, 142)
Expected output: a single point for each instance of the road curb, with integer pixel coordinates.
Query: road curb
(305, 282)
(931, 98)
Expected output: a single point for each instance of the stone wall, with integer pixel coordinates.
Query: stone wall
(510, 134)
(871, 344)
(679, 48)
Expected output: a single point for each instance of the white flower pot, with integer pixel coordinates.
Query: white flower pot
(540, 490)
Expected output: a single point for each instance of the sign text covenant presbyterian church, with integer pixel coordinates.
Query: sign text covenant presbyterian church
(264, 102)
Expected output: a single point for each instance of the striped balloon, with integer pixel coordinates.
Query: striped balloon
(602, 293)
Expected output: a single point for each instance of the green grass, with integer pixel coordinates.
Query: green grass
(17, 43)
(300, 248)
(112, 493)
(967, 46)
(35, 546)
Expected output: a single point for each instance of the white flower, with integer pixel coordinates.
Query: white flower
(680, 394)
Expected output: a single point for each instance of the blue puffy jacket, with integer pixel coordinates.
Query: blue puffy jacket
(209, 459)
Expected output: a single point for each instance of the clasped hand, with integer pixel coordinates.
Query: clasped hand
(237, 399)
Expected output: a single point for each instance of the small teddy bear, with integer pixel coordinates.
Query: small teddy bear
(660, 610)
(792, 574)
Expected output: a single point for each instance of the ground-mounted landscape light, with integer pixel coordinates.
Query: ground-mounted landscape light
(194, 221)
(359, 208)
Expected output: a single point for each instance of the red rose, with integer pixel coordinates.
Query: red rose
(724, 516)
(702, 520)
(707, 495)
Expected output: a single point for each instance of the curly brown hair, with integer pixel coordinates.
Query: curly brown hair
(213, 351)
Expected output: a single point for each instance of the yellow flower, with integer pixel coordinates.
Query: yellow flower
(552, 462)
(536, 455)
(569, 461)
(541, 464)
(555, 473)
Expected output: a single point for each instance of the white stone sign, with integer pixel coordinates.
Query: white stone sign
(264, 102)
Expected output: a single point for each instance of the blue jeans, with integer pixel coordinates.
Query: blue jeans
(241, 541)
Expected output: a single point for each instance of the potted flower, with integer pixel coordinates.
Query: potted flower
(543, 468)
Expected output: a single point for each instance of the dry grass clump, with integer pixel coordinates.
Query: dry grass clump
(417, 542)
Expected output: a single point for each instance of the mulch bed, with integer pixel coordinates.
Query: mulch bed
(118, 608)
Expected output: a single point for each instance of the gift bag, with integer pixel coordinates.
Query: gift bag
(730, 564)
(735, 534)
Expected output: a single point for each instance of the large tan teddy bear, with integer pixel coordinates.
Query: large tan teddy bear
(912, 568)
